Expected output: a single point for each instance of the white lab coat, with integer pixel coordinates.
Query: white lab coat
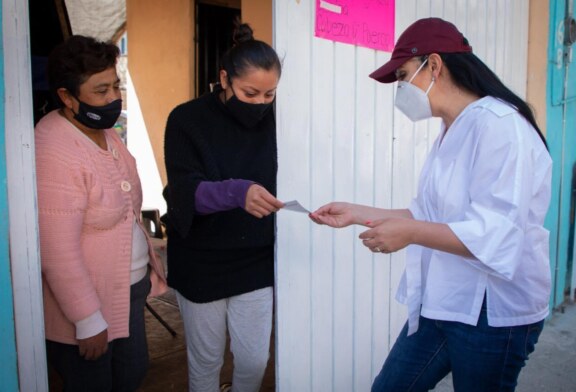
(488, 177)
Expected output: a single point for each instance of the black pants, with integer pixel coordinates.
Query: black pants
(124, 365)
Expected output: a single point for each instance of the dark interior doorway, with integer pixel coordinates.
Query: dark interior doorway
(49, 26)
(214, 26)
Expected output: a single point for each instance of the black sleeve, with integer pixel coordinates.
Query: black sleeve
(186, 157)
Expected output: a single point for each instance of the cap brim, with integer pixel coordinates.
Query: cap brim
(387, 72)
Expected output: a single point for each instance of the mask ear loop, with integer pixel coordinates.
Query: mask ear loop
(418, 70)
(431, 84)
(229, 80)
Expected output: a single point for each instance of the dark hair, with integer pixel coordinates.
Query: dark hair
(471, 74)
(247, 53)
(73, 61)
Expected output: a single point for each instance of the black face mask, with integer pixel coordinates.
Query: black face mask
(98, 117)
(248, 114)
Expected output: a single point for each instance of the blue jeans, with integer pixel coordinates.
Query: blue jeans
(481, 358)
(124, 365)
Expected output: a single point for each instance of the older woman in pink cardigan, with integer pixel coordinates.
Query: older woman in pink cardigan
(98, 266)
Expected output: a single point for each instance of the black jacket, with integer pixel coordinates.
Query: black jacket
(226, 253)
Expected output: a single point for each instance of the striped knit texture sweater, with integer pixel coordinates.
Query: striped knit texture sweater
(87, 201)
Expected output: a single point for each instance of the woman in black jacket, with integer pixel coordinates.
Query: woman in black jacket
(221, 161)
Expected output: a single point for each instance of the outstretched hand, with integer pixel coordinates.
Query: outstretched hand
(260, 202)
(337, 214)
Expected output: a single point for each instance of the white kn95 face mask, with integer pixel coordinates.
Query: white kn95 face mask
(412, 101)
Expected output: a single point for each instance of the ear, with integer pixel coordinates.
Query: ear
(435, 64)
(65, 97)
(223, 79)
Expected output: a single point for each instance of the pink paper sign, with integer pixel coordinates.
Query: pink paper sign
(368, 23)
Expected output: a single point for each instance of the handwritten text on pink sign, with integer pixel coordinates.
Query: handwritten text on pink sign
(368, 23)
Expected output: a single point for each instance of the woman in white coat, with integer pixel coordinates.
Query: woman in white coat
(477, 279)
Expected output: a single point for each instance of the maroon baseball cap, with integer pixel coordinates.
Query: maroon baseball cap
(425, 36)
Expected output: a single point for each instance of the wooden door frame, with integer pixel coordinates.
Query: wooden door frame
(22, 205)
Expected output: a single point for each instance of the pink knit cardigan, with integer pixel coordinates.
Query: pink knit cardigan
(87, 201)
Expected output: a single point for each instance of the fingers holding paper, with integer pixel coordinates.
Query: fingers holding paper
(389, 230)
(260, 202)
(337, 214)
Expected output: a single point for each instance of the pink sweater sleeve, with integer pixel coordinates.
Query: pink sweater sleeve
(62, 201)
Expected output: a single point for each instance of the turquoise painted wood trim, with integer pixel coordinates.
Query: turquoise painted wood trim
(561, 137)
(8, 357)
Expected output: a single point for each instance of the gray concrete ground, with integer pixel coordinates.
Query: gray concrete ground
(552, 366)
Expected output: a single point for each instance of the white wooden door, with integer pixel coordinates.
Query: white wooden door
(340, 138)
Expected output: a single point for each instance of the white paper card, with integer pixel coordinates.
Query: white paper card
(294, 205)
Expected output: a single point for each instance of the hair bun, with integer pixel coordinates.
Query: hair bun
(242, 33)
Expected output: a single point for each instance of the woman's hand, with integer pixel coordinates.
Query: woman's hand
(389, 235)
(337, 214)
(260, 202)
(93, 347)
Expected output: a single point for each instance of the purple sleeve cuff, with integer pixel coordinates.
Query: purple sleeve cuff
(216, 196)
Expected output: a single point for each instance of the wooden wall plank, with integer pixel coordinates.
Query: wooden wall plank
(293, 282)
